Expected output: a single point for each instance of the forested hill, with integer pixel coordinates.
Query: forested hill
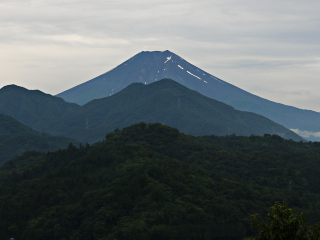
(169, 103)
(34, 108)
(164, 101)
(16, 138)
(149, 181)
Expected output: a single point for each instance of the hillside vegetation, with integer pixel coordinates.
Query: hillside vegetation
(149, 181)
(16, 138)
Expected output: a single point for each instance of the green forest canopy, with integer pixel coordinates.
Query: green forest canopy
(149, 181)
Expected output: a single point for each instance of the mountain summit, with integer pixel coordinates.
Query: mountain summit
(145, 67)
(148, 67)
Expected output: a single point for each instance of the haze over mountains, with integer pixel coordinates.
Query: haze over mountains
(164, 101)
(147, 67)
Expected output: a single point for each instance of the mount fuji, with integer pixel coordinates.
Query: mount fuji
(148, 67)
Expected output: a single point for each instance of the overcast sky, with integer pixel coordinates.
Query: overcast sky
(269, 48)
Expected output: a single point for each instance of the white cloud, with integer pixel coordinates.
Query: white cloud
(306, 134)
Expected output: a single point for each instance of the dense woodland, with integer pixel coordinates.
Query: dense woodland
(149, 181)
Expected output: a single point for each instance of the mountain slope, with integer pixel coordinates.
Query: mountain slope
(165, 101)
(147, 67)
(16, 138)
(170, 103)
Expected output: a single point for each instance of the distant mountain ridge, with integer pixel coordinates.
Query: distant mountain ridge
(33, 107)
(147, 67)
(165, 101)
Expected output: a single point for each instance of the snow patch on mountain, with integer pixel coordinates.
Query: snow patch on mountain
(193, 75)
(180, 67)
(168, 59)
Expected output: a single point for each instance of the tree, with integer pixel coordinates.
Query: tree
(283, 223)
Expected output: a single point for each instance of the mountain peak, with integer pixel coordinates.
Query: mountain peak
(165, 51)
(149, 55)
(13, 87)
(145, 67)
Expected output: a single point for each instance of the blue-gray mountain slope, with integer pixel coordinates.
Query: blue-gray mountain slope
(147, 67)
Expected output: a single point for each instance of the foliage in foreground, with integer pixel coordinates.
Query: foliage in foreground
(284, 223)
